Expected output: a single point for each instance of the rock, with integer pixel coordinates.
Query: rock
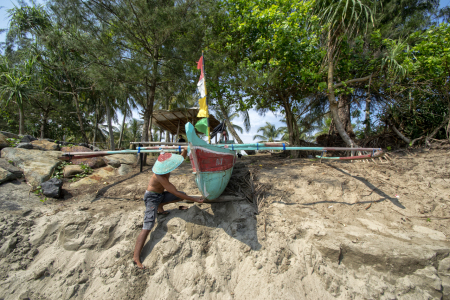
(124, 169)
(83, 145)
(72, 170)
(116, 160)
(45, 145)
(8, 172)
(9, 135)
(10, 167)
(27, 139)
(94, 162)
(83, 279)
(97, 176)
(39, 273)
(37, 165)
(431, 233)
(52, 188)
(3, 142)
(25, 146)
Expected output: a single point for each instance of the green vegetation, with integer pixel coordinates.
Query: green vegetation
(86, 171)
(353, 68)
(59, 171)
(13, 142)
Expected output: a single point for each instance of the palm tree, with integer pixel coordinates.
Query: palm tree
(226, 114)
(269, 133)
(16, 84)
(134, 129)
(343, 18)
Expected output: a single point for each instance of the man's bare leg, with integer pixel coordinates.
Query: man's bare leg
(138, 248)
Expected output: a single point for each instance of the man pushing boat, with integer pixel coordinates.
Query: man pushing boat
(155, 197)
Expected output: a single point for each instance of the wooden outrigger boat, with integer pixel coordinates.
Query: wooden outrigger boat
(211, 165)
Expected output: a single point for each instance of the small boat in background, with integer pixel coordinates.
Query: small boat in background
(211, 165)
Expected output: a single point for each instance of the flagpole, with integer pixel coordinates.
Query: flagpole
(207, 118)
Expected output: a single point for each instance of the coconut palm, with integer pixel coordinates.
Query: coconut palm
(226, 113)
(269, 133)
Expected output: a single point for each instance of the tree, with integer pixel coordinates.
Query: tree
(273, 44)
(343, 19)
(269, 133)
(16, 85)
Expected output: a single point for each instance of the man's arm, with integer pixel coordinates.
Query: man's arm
(171, 189)
(184, 153)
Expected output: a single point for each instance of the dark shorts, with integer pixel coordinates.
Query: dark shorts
(152, 200)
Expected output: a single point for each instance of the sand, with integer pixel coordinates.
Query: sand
(330, 230)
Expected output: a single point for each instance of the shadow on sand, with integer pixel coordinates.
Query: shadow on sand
(382, 194)
(238, 220)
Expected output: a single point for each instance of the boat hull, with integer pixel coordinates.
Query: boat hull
(212, 165)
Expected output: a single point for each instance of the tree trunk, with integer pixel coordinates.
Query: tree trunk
(96, 126)
(367, 118)
(332, 98)
(229, 126)
(292, 126)
(43, 123)
(21, 121)
(148, 110)
(399, 134)
(108, 116)
(344, 115)
(121, 129)
(77, 105)
(150, 133)
(367, 111)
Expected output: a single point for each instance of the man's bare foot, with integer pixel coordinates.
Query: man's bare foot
(183, 207)
(164, 212)
(137, 262)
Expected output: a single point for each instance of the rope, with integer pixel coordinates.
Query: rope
(284, 147)
(257, 146)
(139, 149)
(179, 149)
(232, 147)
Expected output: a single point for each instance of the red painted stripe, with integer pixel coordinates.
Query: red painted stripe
(356, 157)
(213, 161)
(191, 158)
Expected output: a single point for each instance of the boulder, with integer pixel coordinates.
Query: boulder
(98, 176)
(45, 145)
(94, 162)
(3, 142)
(52, 188)
(9, 135)
(72, 170)
(116, 160)
(24, 146)
(27, 139)
(37, 165)
(124, 169)
(8, 171)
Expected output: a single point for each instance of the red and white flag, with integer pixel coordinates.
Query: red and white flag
(201, 83)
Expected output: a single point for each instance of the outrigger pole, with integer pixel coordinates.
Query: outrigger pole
(376, 152)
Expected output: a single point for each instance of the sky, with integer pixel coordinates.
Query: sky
(256, 120)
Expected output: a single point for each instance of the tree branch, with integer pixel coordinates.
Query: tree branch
(353, 81)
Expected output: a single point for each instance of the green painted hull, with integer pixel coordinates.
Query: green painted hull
(212, 165)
